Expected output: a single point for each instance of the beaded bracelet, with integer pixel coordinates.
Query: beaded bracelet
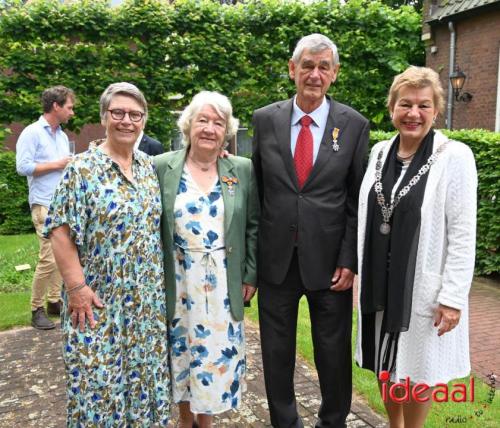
(75, 288)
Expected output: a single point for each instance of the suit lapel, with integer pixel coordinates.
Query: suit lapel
(226, 169)
(337, 118)
(143, 145)
(171, 181)
(281, 124)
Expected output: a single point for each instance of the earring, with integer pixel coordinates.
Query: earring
(434, 120)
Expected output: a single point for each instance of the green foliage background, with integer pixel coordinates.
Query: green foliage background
(486, 148)
(167, 49)
(15, 214)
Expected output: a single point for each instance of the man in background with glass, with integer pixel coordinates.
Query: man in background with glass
(42, 152)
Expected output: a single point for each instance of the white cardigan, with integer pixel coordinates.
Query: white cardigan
(444, 265)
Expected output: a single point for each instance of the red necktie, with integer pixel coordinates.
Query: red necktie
(303, 156)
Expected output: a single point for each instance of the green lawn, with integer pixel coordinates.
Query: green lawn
(480, 413)
(15, 287)
(17, 250)
(15, 309)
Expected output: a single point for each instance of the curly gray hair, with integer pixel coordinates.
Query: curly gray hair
(221, 105)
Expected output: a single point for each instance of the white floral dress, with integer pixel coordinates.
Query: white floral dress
(207, 344)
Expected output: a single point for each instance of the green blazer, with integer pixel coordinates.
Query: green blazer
(241, 215)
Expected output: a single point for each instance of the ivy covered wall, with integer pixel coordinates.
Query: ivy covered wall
(182, 48)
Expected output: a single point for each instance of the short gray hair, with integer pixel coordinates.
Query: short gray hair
(315, 43)
(125, 89)
(221, 105)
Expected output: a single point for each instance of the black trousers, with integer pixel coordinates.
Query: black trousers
(331, 325)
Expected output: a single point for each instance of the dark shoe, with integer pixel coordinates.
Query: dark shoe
(54, 308)
(40, 321)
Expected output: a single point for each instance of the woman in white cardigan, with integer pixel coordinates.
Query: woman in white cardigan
(416, 244)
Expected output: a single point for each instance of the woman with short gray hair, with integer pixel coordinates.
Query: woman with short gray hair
(103, 223)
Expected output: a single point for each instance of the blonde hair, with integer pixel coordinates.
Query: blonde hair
(220, 104)
(417, 77)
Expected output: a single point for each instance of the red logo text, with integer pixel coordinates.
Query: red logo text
(403, 392)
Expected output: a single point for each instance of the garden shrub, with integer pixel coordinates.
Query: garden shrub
(15, 214)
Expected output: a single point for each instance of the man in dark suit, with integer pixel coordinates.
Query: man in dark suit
(308, 173)
(149, 145)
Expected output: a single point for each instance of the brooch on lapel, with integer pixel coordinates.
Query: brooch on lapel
(335, 136)
(229, 182)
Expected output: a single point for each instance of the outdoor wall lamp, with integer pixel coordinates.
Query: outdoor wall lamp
(457, 79)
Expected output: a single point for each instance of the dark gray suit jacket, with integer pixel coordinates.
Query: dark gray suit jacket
(150, 146)
(321, 218)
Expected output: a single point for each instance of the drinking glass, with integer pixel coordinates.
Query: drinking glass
(72, 148)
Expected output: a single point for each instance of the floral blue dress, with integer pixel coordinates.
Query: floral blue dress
(118, 373)
(207, 344)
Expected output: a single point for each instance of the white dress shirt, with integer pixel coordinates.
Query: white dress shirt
(38, 144)
(317, 127)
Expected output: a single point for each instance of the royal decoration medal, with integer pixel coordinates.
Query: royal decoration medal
(335, 136)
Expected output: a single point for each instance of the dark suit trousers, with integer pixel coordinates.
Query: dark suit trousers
(331, 324)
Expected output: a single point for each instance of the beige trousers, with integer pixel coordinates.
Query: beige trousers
(47, 279)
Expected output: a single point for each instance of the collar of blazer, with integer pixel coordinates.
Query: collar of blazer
(172, 177)
(143, 143)
(281, 118)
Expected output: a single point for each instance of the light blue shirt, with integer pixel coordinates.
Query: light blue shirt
(37, 144)
(317, 127)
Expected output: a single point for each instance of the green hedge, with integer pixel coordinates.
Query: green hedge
(14, 208)
(182, 48)
(486, 148)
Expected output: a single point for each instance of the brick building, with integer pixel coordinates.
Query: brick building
(466, 34)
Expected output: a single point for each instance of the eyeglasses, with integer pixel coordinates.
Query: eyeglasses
(134, 115)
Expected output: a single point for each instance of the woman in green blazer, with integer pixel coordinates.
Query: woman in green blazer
(209, 231)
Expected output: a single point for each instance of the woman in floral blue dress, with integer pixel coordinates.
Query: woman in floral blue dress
(104, 227)
(209, 228)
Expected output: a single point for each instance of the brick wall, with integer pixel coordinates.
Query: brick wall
(87, 134)
(477, 50)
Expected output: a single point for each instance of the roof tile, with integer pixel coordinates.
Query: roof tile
(446, 8)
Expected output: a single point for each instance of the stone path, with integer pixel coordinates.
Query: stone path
(32, 385)
(484, 330)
